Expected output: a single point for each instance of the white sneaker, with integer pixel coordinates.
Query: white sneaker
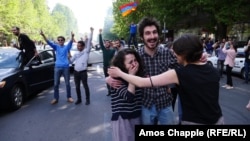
(224, 86)
(229, 87)
(248, 106)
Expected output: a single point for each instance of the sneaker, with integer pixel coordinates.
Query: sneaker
(87, 102)
(229, 87)
(78, 102)
(70, 100)
(224, 86)
(248, 106)
(54, 101)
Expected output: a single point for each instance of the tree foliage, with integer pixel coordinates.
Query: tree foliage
(219, 15)
(32, 16)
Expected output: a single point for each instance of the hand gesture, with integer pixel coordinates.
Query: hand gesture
(204, 57)
(15, 45)
(41, 32)
(36, 54)
(133, 69)
(72, 34)
(91, 29)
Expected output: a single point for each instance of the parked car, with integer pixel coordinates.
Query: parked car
(239, 62)
(19, 81)
(95, 56)
(241, 44)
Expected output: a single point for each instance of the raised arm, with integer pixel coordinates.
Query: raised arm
(224, 49)
(47, 41)
(100, 40)
(72, 36)
(247, 47)
(43, 35)
(89, 40)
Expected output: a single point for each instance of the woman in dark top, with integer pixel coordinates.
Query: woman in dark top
(197, 82)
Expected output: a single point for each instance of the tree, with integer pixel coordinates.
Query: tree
(65, 20)
(33, 15)
(214, 16)
(108, 32)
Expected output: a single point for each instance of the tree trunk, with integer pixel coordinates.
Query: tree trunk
(221, 31)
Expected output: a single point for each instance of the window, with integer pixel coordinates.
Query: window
(47, 56)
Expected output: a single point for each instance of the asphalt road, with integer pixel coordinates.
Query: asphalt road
(37, 120)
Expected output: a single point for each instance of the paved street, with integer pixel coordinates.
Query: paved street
(37, 120)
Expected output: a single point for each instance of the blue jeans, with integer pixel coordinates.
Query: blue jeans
(220, 66)
(132, 37)
(246, 66)
(58, 72)
(163, 117)
(179, 109)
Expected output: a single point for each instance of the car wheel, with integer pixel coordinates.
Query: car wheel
(17, 97)
(242, 73)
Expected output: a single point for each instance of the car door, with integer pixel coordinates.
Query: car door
(40, 71)
(239, 62)
(95, 57)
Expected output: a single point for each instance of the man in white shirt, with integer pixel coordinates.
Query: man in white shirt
(80, 60)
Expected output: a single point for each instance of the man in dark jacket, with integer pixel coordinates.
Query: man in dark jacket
(108, 53)
(26, 44)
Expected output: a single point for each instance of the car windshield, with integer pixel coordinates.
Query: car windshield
(240, 53)
(9, 60)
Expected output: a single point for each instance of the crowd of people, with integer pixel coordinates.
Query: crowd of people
(140, 82)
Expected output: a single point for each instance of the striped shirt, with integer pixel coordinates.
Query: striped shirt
(162, 60)
(124, 103)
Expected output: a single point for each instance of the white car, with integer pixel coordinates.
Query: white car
(239, 62)
(95, 56)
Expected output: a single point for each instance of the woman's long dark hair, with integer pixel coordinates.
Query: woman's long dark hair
(119, 59)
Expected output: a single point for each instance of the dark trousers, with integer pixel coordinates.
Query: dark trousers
(105, 71)
(132, 36)
(26, 56)
(220, 66)
(174, 93)
(78, 77)
(229, 75)
(246, 67)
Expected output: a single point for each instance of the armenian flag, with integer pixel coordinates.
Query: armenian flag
(128, 8)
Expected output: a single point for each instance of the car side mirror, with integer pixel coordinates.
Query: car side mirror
(35, 63)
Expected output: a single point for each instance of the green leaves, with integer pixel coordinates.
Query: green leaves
(33, 15)
(179, 14)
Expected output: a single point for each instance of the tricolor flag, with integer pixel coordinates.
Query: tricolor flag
(128, 8)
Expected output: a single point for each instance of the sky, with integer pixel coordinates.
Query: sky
(89, 13)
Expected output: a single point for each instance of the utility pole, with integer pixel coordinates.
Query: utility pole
(164, 26)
